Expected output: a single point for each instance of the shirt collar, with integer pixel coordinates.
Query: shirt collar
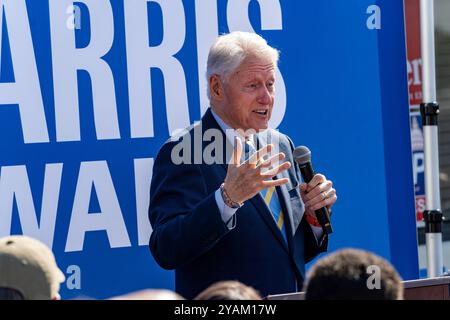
(229, 132)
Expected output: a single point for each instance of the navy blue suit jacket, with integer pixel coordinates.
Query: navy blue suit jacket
(190, 236)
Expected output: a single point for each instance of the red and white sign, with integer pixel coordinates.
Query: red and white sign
(412, 21)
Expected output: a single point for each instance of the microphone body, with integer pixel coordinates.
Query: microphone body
(302, 156)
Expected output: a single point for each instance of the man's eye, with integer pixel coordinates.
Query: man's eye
(253, 85)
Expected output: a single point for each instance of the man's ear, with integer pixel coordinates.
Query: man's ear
(215, 87)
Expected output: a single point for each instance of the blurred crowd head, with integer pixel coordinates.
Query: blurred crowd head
(28, 270)
(228, 290)
(352, 274)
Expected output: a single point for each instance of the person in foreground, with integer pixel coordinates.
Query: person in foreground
(231, 206)
(352, 274)
(28, 270)
(149, 294)
(228, 290)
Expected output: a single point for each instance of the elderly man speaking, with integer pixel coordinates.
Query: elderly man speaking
(245, 216)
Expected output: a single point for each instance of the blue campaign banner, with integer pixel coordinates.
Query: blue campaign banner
(89, 90)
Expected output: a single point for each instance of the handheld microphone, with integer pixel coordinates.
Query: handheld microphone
(302, 155)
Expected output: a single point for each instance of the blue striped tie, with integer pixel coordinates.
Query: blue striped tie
(269, 195)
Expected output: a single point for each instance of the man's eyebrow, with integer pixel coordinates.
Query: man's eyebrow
(249, 79)
(253, 78)
(252, 75)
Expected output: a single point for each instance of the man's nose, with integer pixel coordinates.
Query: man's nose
(264, 96)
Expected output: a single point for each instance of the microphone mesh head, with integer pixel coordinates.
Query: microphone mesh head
(302, 155)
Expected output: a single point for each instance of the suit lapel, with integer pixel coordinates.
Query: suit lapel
(258, 201)
(294, 216)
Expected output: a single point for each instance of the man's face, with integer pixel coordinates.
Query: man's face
(249, 94)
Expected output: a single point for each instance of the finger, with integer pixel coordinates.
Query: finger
(273, 160)
(274, 183)
(303, 187)
(312, 201)
(328, 202)
(259, 154)
(278, 169)
(333, 201)
(317, 179)
(323, 187)
(237, 152)
(331, 192)
(320, 199)
(333, 197)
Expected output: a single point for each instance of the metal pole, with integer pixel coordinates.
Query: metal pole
(429, 110)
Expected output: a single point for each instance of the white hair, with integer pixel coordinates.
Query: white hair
(230, 50)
